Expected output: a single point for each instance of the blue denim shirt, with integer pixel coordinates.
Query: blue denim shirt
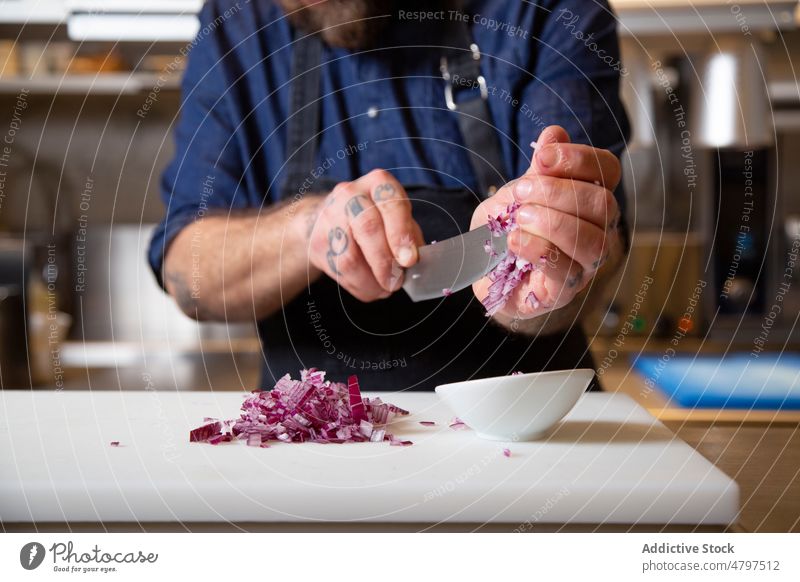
(551, 62)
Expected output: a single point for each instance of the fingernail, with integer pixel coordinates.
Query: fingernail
(547, 156)
(405, 256)
(526, 214)
(396, 278)
(520, 238)
(523, 189)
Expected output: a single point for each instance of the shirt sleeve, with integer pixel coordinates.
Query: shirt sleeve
(206, 171)
(576, 72)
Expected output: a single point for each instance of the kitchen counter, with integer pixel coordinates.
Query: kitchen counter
(608, 465)
(764, 459)
(760, 449)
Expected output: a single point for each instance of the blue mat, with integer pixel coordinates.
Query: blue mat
(768, 382)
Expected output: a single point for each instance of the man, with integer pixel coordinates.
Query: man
(321, 143)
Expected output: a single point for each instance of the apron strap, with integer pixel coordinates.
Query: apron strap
(466, 93)
(304, 107)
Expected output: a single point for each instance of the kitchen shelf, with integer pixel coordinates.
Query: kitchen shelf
(99, 84)
(678, 17)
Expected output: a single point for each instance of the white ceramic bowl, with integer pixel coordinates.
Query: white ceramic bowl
(516, 408)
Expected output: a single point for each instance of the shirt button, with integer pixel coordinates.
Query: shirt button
(372, 112)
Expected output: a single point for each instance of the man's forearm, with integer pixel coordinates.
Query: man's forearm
(241, 267)
(569, 315)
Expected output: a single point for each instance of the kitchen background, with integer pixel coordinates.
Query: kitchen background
(88, 96)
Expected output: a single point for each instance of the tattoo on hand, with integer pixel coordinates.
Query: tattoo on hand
(186, 297)
(338, 241)
(384, 192)
(599, 262)
(575, 279)
(355, 205)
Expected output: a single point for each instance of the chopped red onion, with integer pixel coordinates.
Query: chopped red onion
(447, 292)
(533, 300)
(507, 452)
(510, 271)
(356, 404)
(114, 443)
(310, 409)
(427, 423)
(457, 424)
(205, 432)
(396, 442)
(219, 438)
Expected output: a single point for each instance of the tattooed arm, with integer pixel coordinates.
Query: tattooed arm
(244, 267)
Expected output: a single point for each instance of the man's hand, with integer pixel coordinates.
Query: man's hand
(362, 235)
(568, 223)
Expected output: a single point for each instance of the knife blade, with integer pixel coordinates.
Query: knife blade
(453, 264)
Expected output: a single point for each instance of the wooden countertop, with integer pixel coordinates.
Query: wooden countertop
(763, 459)
(759, 449)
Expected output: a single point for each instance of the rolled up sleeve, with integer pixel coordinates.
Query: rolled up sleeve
(205, 174)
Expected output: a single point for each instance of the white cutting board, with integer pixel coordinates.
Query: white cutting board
(608, 462)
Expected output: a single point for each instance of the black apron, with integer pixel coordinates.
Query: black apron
(395, 344)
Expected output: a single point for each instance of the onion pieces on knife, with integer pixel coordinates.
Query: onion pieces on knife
(510, 271)
(310, 409)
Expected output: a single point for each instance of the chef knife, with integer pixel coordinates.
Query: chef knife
(453, 264)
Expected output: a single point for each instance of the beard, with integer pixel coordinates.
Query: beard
(352, 24)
